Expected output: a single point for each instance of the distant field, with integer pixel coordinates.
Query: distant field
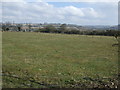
(41, 60)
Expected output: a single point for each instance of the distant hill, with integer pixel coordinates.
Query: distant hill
(101, 27)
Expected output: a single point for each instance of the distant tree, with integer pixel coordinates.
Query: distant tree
(4, 27)
(117, 35)
(50, 28)
(72, 31)
(7, 29)
(63, 28)
(19, 26)
(29, 26)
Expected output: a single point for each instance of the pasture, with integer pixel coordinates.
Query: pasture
(46, 60)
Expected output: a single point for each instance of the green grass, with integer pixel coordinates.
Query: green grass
(43, 60)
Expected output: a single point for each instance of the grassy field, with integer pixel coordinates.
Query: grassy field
(42, 60)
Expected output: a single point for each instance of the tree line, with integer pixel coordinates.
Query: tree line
(63, 29)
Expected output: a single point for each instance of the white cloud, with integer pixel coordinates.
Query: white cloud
(44, 12)
(60, 0)
(79, 0)
(71, 10)
(90, 12)
(13, 0)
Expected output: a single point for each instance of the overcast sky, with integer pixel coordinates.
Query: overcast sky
(94, 12)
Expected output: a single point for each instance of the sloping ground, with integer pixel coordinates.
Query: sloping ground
(42, 60)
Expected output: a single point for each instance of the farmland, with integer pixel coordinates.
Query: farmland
(47, 60)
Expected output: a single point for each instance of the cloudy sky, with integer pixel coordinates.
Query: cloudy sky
(92, 12)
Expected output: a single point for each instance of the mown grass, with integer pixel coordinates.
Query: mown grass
(43, 60)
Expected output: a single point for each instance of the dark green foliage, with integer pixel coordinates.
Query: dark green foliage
(19, 27)
(63, 28)
(7, 29)
(47, 29)
(72, 32)
(50, 28)
(44, 30)
(4, 27)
